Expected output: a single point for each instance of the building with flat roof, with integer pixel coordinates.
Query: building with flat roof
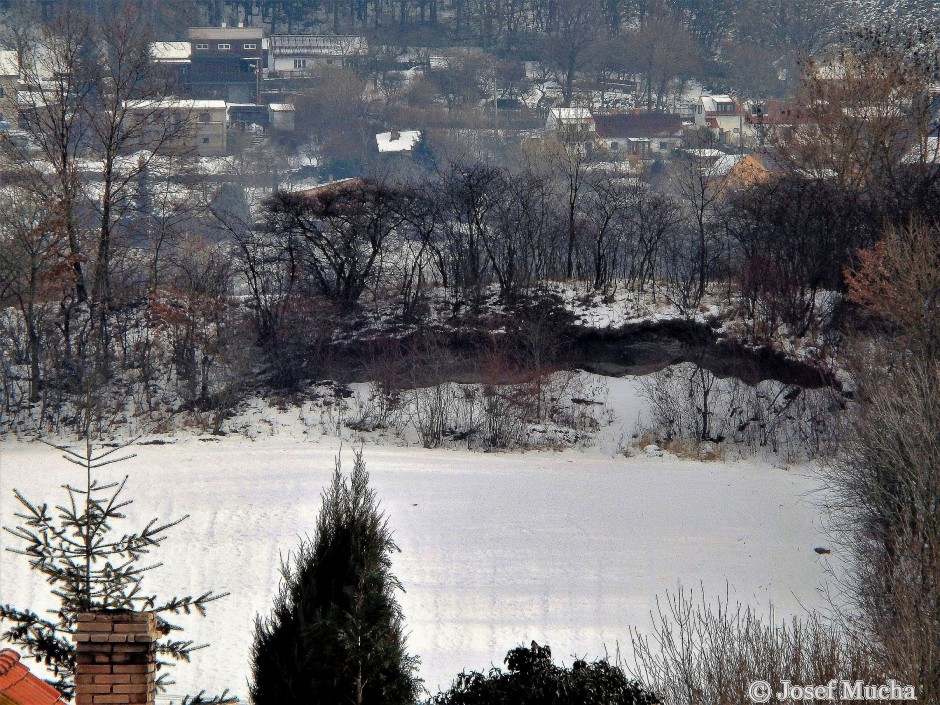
(225, 63)
(197, 127)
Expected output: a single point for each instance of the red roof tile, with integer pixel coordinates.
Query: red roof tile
(21, 686)
(644, 125)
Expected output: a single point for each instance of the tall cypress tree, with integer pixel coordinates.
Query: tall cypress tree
(336, 632)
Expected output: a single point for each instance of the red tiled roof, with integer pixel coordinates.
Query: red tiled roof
(642, 125)
(21, 686)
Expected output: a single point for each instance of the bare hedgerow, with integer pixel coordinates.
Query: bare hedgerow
(690, 405)
(885, 487)
(885, 513)
(701, 652)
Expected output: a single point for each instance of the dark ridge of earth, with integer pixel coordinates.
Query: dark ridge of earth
(469, 356)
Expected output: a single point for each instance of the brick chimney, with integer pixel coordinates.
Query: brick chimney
(115, 657)
(394, 135)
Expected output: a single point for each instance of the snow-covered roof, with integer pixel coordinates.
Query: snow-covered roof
(176, 103)
(403, 141)
(710, 103)
(171, 52)
(705, 153)
(317, 45)
(234, 33)
(9, 65)
(570, 114)
(724, 164)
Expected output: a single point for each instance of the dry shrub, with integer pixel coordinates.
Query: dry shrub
(885, 509)
(898, 280)
(701, 652)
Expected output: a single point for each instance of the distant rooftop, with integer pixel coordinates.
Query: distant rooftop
(171, 52)
(397, 141)
(176, 103)
(642, 125)
(237, 33)
(317, 45)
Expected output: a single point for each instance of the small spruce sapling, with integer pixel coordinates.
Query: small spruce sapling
(90, 567)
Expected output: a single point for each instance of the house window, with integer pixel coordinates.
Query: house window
(251, 46)
(205, 140)
(1, 92)
(205, 117)
(224, 46)
(202, 46)
(300, 63)
(663, 146)
(614, 146)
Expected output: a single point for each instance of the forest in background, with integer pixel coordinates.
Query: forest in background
(748, 46)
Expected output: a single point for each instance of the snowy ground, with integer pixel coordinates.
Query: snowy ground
(568, 549)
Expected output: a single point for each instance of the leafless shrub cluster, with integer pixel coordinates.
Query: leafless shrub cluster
(885, 512)
(700, 652)
(689, 404)
(554, 410)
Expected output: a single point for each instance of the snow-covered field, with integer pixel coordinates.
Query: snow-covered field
(497, 549)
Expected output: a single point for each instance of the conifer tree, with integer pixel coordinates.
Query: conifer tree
(91, 565)
(336, 632)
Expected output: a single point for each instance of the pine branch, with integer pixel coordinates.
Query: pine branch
(201, 699)
(184, 605)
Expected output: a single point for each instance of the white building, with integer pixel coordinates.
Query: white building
(197, 127)
(296, 53)
(721, 114)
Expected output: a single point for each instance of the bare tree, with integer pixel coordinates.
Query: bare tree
(32, 261)
(664, 54)
(342, 229)
(886, 513)
(570, 39)
(868, 111)
(699, 183)
(93, 108)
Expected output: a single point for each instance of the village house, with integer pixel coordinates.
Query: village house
(640, 135)
(573, 127)
(193, 126)
(226, 63)
(767, 120)
(174, 58)
(723, 116)
(297, 53)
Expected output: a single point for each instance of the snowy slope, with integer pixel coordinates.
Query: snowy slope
(497, 549)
